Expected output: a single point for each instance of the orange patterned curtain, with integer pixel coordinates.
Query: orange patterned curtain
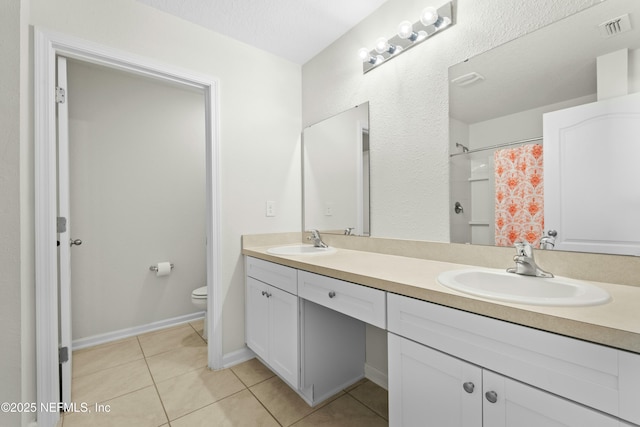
(519, 195)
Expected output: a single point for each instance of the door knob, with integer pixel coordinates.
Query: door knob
(491, 396)
(76, 242)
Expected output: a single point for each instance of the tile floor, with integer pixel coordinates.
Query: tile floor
(160, 379)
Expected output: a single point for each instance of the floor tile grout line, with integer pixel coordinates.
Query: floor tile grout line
(247, 385)
(263, 405)
(365, 404)
(155, 386)
(208, 404)
(108, 367)
(248, 388)
(171, 349)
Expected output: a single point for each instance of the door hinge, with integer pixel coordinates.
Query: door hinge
(61, 225)
(60, 95)
(63, 355)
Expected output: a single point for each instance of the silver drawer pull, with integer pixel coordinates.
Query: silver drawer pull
(468, 387)
(332, 294)
(491, 396)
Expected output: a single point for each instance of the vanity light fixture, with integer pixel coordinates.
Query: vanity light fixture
(431, 21)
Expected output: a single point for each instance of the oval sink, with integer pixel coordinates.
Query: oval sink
(299, 250)
(503, 286)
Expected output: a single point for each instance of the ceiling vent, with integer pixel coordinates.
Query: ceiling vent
(615, 26)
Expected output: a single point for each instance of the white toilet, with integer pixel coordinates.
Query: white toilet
(199, 299)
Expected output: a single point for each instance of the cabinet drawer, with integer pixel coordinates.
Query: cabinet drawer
(285, 278)
(360, 302)
(578, 370)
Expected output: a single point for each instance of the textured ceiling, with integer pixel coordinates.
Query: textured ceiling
(293, 29)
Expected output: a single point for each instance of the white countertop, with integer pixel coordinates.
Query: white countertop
(615, 324)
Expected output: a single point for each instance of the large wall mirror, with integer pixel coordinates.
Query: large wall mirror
(544, 134)
(335, 173)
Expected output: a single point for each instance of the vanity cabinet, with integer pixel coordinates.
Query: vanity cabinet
(317, 347)
(272, 317)
(431, 388)
(520, 376)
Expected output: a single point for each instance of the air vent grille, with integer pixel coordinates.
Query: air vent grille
(615, 26)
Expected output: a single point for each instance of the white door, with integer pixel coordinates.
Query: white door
(508, 403)
(591, 176)
(64, 236)
(428, 388)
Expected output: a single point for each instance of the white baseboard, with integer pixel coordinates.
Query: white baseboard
(136, 330)
(376, 376)
(236, 357)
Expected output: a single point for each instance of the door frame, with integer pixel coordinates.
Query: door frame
(47, 45)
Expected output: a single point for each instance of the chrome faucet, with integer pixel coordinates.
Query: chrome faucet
(525, 264)
(317, 240)
(549, 241)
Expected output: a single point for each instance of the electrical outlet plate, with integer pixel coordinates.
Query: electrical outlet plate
(328, 209)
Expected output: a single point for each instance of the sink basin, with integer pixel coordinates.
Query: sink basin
(300, 250)
(502, 286)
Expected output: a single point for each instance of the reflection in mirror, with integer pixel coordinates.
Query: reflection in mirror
(536, 153)
(335, 173)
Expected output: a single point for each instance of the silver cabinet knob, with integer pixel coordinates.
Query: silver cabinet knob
(332, 294)
(264, 293)
(76, 242)
(491, 396)
(468, 387)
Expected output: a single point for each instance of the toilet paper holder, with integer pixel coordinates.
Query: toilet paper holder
(155, 267)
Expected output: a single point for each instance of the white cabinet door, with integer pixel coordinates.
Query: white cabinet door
(272, 328)
(283, 334)
(508, 403)
(257, 315)
(428, 388)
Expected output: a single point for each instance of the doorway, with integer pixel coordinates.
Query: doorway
(47, 48)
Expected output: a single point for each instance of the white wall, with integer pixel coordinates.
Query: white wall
(10, 233)
(137, 155)
(259, 119)
(409, 114)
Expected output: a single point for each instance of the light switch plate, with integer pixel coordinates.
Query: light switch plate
(270, 208)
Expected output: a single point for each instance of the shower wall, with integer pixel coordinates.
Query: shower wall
(137, 155)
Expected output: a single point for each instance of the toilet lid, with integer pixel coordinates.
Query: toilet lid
(200, 292)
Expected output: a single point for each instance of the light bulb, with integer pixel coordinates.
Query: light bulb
(405, 30)
(363, 53)
(429, 16)
(382, 45)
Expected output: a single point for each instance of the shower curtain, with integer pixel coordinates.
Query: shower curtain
(519, 212)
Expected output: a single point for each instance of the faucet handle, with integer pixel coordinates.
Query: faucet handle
(524, 249)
